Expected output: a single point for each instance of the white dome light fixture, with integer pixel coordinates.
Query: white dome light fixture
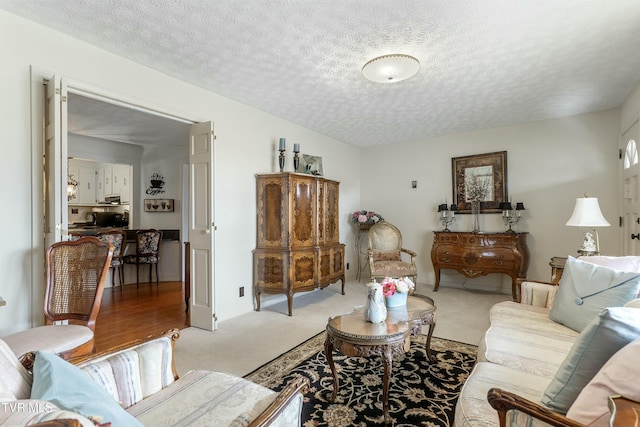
(391, 68)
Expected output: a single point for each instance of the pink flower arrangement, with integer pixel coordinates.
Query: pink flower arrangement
(366, 217)
(391, 286)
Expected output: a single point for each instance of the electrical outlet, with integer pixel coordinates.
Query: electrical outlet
(241, 291)
(347, 266)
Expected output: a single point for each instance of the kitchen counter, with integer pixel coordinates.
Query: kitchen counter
(131, 233)
(170, 266)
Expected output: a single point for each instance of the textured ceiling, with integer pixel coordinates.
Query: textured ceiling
(485, 63)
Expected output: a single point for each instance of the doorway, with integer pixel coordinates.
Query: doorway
(53, 90)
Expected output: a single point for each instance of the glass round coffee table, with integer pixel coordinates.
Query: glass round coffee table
(351, 335)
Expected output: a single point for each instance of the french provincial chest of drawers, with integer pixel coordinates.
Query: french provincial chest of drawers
(479, 254)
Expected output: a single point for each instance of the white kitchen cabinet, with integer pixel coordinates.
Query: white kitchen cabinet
(100, 184)
(107, 172)
(86, 178)
(121, 182)
(87, 185)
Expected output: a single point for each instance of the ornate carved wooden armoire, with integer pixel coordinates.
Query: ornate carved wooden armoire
(298, 246)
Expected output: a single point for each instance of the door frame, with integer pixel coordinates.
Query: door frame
(38, 76)
(627, 224)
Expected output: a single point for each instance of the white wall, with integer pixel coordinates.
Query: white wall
(245, 145)
(630, 110)
(549, 164)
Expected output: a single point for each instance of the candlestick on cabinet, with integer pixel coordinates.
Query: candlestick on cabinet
(281, 160)
(511, 216)
(296, 161)
(447, 216)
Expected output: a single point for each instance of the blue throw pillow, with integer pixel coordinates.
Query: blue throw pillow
(65, 385)
(585, 289)
(613, 329)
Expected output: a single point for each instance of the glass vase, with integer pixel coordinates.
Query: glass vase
(475, 217)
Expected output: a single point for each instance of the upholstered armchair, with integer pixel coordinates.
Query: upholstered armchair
(385, 250)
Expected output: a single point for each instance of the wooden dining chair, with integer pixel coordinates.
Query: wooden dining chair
(75, 279)
(117, 239)
(147, 252)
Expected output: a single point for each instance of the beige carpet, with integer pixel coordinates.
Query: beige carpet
(243, 344)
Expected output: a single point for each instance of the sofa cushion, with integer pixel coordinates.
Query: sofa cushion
(65, 385)
(523, 337)
(473, 409)
(15, 381)
(614, 328)
(51, 338)
(199, 397)
(586, 288)
(619, 376)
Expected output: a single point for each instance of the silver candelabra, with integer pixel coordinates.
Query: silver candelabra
(511, 216)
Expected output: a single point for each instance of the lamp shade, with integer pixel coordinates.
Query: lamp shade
(587, 213)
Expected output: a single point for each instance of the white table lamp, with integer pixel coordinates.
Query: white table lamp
(587, 213)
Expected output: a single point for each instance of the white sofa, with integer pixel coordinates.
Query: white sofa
(142, 379)
(524, 351)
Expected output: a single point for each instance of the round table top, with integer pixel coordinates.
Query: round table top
(398, 324)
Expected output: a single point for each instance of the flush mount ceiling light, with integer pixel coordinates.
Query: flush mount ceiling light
(391, 68)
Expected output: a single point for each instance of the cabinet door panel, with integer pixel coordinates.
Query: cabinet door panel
(303, 212)
(86, 185)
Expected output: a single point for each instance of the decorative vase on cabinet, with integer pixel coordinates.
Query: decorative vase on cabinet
(297, 235)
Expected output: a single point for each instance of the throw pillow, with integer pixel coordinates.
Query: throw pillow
(614, 328)
(65, 385)
(586, 288)
(618, 376)
(15, 381)
(633, 303)
(624, 263)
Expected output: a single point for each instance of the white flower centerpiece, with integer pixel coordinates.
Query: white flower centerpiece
(477, 190)
(397, 290)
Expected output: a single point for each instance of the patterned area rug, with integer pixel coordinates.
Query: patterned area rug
(420, 394)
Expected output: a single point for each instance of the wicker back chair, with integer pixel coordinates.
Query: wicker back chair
(117, 239)
(76, 274)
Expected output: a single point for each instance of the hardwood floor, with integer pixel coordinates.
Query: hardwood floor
(134, 313)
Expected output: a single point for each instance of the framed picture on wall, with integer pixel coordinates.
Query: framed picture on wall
(311, 164)
(487, 171)
(158, 205)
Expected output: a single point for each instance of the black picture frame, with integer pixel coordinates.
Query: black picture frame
(491, 166)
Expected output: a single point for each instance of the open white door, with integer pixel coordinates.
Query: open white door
(630, 191)
(201, 226)
(55, 161)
